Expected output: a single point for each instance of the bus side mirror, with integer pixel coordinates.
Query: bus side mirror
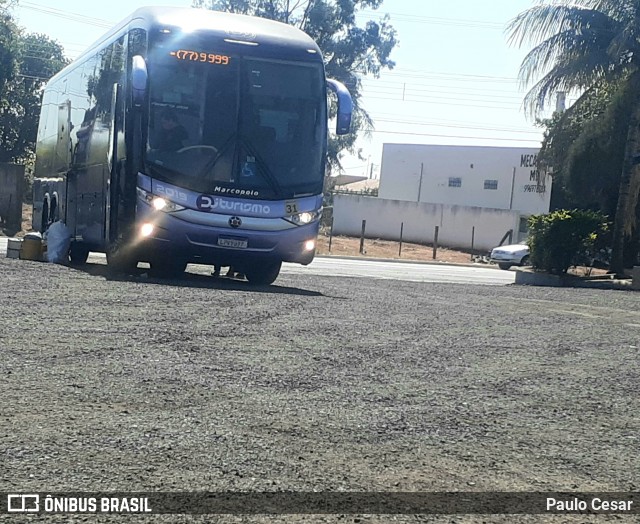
(345, 106)
(139, 79)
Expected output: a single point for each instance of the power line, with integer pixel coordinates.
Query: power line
(432, 101)
(33, 77)
(431, 124)
(409, 95)
(46, 59)
(403, 72)
(67, 15)
(38, 48)
(422, 86)
(431, 20)
(423, 73)
(381, 114)
(456, 136)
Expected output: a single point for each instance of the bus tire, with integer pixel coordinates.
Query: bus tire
(121, 261)
(54, 212)
(264, 274)
(78, 253)
(167, 268)
(44, 220)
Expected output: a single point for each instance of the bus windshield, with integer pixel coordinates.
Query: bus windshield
(249, 126)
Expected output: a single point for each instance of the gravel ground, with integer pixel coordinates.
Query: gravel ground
(316, 383)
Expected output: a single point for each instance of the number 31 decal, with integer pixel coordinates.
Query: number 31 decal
(291, 207)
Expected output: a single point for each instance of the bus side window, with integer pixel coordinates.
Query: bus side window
(111, 70)
(137, 43)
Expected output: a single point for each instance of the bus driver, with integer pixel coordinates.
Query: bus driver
(171, 134)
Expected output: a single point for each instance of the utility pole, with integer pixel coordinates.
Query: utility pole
(513, 184)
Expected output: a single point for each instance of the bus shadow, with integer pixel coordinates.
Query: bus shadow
(192, 280)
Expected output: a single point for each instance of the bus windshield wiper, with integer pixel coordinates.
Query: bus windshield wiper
(268, 174)
(208, 167)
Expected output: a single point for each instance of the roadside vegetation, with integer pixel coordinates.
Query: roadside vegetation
(588, 49)
(27, 61)
(563, 239)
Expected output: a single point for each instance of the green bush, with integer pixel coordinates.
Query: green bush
(560, 239)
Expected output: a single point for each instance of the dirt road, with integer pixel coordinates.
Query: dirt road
(317, 383)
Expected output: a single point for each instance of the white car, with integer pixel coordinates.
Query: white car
(511, 255)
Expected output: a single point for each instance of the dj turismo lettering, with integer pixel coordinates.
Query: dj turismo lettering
(210, 203)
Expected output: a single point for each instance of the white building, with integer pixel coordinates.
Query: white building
(473, 196)
(487, 177)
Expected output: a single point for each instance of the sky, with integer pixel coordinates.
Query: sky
(455, 79)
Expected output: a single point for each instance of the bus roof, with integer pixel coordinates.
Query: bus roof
(229, 25)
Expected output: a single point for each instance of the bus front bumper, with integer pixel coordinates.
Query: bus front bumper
(162, 234)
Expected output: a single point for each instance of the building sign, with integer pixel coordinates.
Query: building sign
(539, 179)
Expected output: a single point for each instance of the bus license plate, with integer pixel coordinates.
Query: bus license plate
(233, 242)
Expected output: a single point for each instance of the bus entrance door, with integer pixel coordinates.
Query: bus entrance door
(114, 166)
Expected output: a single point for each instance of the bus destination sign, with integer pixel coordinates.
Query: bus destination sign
(195, 56)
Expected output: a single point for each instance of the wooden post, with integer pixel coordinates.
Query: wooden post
(401, 230)
(364, 226)
(473, 238)
(435, 242)
(331, 235)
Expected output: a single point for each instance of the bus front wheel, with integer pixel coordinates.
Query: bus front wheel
(167, 268)
(121, 260)
(264, 274)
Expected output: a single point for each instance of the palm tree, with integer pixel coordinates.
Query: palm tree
(579, 46)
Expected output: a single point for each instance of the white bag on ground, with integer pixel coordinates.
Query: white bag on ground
(58, 243)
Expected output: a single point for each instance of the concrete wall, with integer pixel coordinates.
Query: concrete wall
(384, 217)
(405, 165)
(11, 193)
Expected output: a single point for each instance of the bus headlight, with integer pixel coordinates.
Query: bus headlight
(309, 245)
(159, 203)
(302, 219)
(146, 230)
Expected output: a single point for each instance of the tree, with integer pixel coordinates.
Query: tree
(9, 39)
(585, 147)
(349, 51)
(579, 46)
(38, 58)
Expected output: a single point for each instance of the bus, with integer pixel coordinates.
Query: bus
(189, 136)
